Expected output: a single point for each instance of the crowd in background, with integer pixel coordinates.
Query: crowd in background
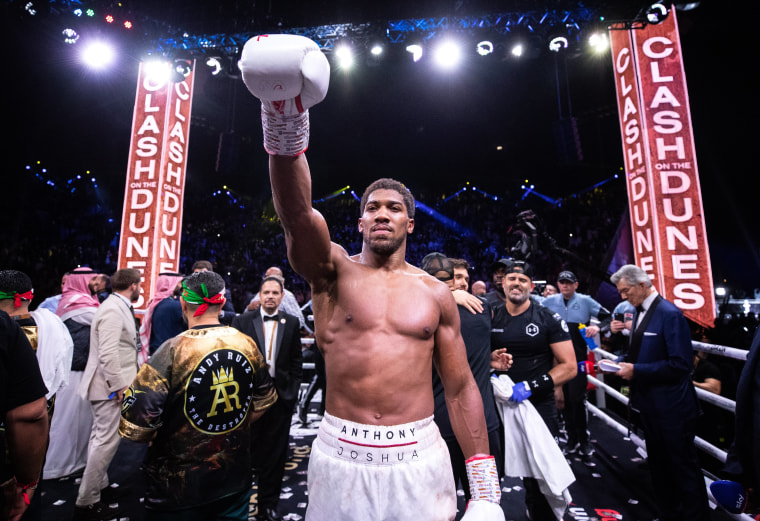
(242, 237)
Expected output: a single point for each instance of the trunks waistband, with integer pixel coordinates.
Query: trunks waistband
(377, 444)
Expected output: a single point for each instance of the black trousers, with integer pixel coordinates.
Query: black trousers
(679, 486)
(269, 451)
(574, 413)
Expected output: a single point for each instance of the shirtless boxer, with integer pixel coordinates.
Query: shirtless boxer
(378, 454)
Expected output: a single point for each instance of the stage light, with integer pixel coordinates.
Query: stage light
(484, 48)
(558, 43)
(216, 65)
(447, 54)
(517, 50)
(181, 69)
(109, 18)
(127, 24)
(688, 6)
(29, 8)
(90, 12)
(78, 12)
(524, 44)
(656, 13)
(158, 70)
(415, 50)
(98, 55)
(345, 56)
(376, 54)
(70, 36)
(599, 42)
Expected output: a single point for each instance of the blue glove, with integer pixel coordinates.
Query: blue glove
(581, 367)
(520, 391)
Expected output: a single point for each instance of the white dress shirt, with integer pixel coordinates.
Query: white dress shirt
(270, 346)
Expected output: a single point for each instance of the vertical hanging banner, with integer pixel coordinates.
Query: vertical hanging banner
(664, 195)
(151, 224)
(635, 155)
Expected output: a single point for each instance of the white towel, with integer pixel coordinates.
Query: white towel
(529, 448)
(55, 349)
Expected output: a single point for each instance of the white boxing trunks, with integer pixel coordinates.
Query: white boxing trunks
(372, 473)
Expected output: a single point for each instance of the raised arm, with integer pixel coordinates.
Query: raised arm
(289, 74)
(306, 234)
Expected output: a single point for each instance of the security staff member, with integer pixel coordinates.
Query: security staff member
(577, 309)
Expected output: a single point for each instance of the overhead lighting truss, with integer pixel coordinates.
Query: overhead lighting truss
(398, 31)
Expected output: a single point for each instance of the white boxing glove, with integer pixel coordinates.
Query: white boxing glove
(485, 491)
(289, 74)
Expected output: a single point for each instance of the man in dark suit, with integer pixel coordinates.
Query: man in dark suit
(659, 366)
(277, 336)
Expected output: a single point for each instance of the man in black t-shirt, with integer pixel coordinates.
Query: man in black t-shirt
(496, 271)
(23, 420)
(535, 337)
(475, 325)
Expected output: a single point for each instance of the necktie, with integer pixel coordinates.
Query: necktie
(639, 316)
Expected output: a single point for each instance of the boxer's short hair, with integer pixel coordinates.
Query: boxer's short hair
(389, 184)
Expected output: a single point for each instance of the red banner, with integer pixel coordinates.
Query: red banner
(151, 224)
(664, 196)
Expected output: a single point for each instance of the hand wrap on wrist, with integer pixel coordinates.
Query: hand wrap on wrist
(483, 478)
(285, 135)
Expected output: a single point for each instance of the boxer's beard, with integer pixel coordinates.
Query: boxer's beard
(384, 247)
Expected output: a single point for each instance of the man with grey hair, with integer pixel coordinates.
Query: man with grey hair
(658, 366)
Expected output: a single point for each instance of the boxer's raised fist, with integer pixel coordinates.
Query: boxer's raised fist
(282, 67)
(289, 74)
